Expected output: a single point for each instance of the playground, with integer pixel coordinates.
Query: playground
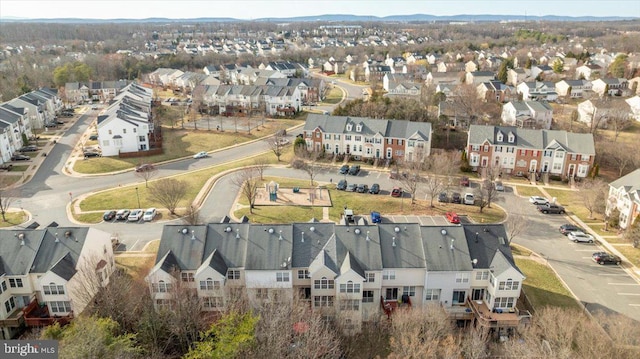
(274, 195)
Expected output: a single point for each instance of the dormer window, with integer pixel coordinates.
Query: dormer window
(512, 138)
(349, 127)
(499, 137)
(359, 127)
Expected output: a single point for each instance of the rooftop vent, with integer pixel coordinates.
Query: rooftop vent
(237, 233)
(67, 234)
(271, 230)
(396, 229)
(368, 239)
(184, 231)
(393, 241)
(443, 232)
(312, 229)
(193, 235)
(357, 231)
(21, 236)
(228, 229)
(302, 237)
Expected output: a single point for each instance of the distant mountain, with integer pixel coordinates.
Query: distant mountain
(339, 18)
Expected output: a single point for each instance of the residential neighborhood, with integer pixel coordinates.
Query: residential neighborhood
(332, 186)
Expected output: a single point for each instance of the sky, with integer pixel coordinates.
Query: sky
(252, 9)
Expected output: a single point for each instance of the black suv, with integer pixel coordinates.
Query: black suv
(375, 189)
(354, 170)
(443, 197)
(606, 258)
(568, 228)
(344, 169)
(456, 198)
(342, 185)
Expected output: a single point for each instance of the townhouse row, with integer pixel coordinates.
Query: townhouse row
(518, 151)
(351, 272)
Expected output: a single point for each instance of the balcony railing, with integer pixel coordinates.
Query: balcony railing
(36, 315)
(497, 318)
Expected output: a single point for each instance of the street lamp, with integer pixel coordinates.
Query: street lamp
(138, 197)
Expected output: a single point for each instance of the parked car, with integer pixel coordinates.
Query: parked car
(579, 236)
(88, 154)
(498, 186)
(149, 214)
(464, 181)
(375, 189)
(354, 170)
(344, 169)
(551, 208)
(396, 192)
(538, 200)
(606, 258)
(375, 217)
(109, 215)
(122, 215)
(452, 217)
(144, 167)
(352, 187)
(456, 198)
(469, 198)
(19, 157)
(135, 215)
(93, 137)
(443, 197)
(28, 148)
(281, 142)
(201, 154)
(342, 185)
(362, 188)
(565, 229)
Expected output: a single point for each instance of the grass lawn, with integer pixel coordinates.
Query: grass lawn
(543, 287)
(183, 143)
(152, 247)
(334, 96)
(9, 179)
(519, 250)
(92, 218)
(632, 254)
(599, 228)
(281, 214)
(526, 191)
(284, 183)
(136, 266)
(572, 203)
(19, 168)
(126, 197)
(13, 218)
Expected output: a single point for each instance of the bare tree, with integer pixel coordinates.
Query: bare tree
(621, 155)
(277, 144)
(474, 343)
(465, 100)
(146, 173)
(619, 120)
(516, 224)
(7, 196)
(168, 192)
(421, 332)
(260, 164)
(192, 215)
(410, 178)
(308, 162)
(247, 182)
(592, 194)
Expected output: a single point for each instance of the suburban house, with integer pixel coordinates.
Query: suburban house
(164, 77)
(624, 195)
(634, 106)
(12, 127)
(103, 91)
(496, 91)
(239, 100)
(519, 151)
(598, 112)
(540, 71)
(573, 88)
(375, 72)
(478, 77)
(538, 90)
(393, 80)
(609, 86)
(443, 78)
(48, 275)
(352, 272)
(126, 125)
(363, 137)
(588, 71)
(311, 89)
(516, 76)
(527, 114)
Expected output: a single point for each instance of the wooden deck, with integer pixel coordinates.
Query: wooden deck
(496, 319)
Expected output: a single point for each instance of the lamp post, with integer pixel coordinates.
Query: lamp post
(138, 197)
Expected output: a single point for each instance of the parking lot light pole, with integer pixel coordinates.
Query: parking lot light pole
(138, 197)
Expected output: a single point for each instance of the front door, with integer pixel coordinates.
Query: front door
(533, 166)
(458, 297)
(485, 161)
(571, 169)
(545, 167)
(377, 153)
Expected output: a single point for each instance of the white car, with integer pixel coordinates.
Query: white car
(469, 198)
(201, 154)
(135, 215)
(499, 186)
(149, 214)
(282, 142)
(580, 236)
(538, 200)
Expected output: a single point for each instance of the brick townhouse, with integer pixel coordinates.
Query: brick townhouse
(518, 151)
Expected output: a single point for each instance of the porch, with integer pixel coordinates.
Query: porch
(498, 318)
(391, 305)
(37, 315)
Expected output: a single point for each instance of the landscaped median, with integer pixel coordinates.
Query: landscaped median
(92, 206)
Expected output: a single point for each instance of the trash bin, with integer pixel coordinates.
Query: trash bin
(296, 189)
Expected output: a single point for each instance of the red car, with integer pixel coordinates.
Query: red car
(464, 181)
(396, 192)
(452, 217)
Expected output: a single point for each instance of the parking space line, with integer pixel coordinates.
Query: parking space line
(584, 250)
(634, 305)
(623, 283)
(615, 274)
(628, 293)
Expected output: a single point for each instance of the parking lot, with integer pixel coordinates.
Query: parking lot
(422, 220)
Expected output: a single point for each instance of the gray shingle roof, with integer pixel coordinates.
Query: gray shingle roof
(484, 242)
(535, 139)
(630, 182)
(387, 128)
(448, 251)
